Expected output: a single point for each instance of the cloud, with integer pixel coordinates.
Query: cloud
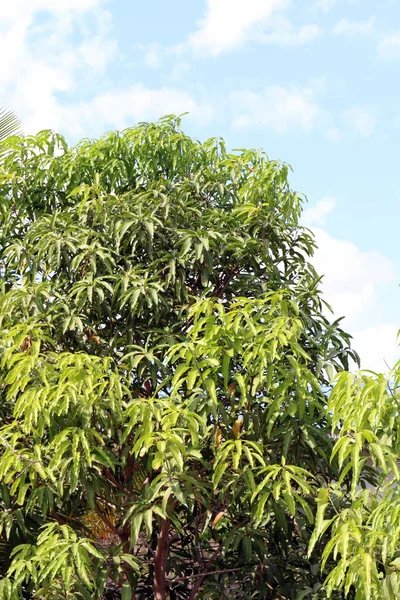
(378, 347)
(317, 215)
(325, 5)
(359, 121)
(389, 47)
(354, 28)
(284, 34)
(227, 24)
(277, 108)
(56, 58)
(123, 107)
(47, 50)
(56, 45)
(153, 55)
(351, 275)
(11, 11)
(354, 284)
(297, 109)
(96, 52)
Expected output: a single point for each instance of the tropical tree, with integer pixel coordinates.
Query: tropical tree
(166, 362)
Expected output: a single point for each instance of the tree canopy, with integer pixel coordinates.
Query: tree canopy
(168, 425)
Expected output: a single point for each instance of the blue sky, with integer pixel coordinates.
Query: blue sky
(314, 83)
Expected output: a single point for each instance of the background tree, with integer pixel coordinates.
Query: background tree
(165, 368)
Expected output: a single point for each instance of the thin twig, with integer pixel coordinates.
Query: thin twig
(220, 572)
(105, 520)
(110, 477)
(198, 583)
(20, 456)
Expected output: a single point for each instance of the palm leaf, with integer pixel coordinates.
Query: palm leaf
(9, 123)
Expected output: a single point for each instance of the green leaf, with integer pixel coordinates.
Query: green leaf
(136, 524)
(126, 591)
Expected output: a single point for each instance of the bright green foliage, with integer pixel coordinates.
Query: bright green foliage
(364, 536)
(165, 369)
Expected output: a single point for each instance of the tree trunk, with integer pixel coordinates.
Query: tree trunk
(160, 563)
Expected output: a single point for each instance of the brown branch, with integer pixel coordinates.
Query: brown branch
(198, 547)
(105, 501)
(219, 290)
(129, 469)
(160, 562)
(219, 572)
(107, 521)
(110, 477)
(198, 584)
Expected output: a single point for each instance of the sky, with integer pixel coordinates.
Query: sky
(314, 83)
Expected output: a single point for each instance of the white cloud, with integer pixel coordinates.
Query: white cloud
(351, 274)
(97, 50)
(157, 56)
(353, 280)
(153, 56)
(10, 11)
(57, 50)
(377, 346)
(277, 108)
(284, 34)
(48, 50)
(359, 121)
(123, 107)
(283, 109)
(227, 24)
(354, 28)
(354, 283)
(325, 5)
(317, 215)
(389, 47)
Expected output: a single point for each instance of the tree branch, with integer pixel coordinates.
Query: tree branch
(219, 290)
(201, 578)
(20, 456)
(204, 575)
(160, 562)
(107, 521)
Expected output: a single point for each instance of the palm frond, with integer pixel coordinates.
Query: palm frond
(9, 123)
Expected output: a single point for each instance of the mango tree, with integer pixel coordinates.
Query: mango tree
(166, 366)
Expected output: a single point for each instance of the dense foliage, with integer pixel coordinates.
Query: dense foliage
(165, 371)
